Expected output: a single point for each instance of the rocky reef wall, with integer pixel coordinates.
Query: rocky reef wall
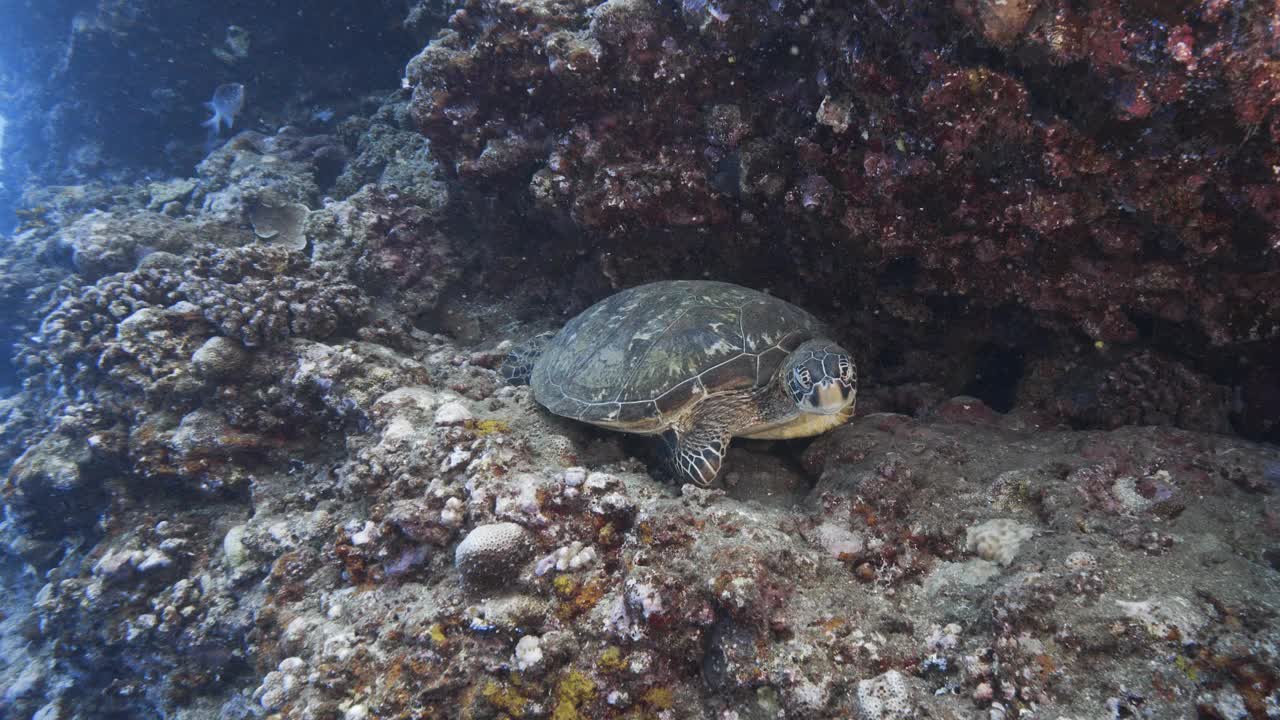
(972, 187)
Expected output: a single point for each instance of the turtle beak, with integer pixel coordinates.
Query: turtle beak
(829, 397)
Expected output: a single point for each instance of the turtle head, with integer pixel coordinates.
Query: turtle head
(820, 377)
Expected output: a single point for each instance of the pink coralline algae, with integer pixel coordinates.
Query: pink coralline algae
(1109, 168)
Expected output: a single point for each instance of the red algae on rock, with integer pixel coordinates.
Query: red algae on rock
(1104, 163)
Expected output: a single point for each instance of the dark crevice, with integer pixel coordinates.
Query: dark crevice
(998, 370)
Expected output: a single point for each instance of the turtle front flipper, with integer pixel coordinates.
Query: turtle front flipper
(517, 367)
(696, 454)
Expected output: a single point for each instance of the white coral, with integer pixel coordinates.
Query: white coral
(885, 697)
(281, 685)
(998, 540)
(453, 512)
(528, 652)
(573, 556)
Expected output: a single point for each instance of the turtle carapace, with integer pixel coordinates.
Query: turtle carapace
(697, 362)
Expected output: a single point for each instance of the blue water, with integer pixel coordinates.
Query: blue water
(115, 92)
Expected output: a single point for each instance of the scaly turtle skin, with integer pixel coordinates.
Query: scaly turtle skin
(698, 362)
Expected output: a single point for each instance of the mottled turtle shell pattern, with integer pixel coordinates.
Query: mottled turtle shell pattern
(637, 360)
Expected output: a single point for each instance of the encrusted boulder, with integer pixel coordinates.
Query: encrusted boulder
(493, 552)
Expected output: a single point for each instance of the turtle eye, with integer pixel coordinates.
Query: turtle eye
(846, 369)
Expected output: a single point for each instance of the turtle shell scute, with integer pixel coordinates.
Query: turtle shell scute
(640, 356)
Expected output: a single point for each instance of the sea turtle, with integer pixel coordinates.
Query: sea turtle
(697, 362)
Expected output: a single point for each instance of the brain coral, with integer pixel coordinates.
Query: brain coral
(492, 551)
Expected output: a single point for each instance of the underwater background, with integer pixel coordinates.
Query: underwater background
(261, 265)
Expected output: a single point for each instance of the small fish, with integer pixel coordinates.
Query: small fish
(227, 101)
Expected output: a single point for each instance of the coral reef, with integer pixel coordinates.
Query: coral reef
(258, 457)
(478, 556)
